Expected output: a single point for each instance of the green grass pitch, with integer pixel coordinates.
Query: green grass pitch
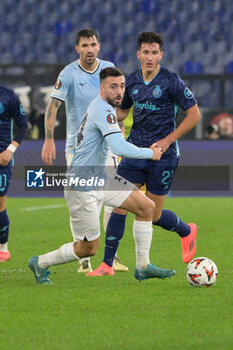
(79, 312)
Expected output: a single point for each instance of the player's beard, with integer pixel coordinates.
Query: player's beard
(113, 102)
(89, 61)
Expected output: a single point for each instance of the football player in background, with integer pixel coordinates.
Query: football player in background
(77, 85)
(155, 94)
(10, 109)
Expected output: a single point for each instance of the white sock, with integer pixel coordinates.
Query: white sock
(60, 256)
(142, 231)
(3, 247)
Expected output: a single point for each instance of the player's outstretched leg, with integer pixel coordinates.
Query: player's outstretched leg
(151, 271)
(41, 275)
(187, 232)
(40, 264)
(189, 243)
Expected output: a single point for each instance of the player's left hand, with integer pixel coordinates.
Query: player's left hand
(5, 157)
(164, 144)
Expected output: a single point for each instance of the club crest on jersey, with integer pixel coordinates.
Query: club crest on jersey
(187, 93)
(58, 84)
(111, 118)
(1, 108)
(157, 92)
(22, 111)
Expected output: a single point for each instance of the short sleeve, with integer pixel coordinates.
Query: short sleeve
(17, 111)
(62, 85)
(181, 93)
(107, 123)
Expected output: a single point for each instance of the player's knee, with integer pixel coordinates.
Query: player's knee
(92, 251)
(147, 210)
(83, 248)
(150, 208)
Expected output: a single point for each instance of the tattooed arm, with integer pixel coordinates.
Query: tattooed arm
(49, 150)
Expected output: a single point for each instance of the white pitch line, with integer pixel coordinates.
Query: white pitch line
(11, 270)
(52, 206)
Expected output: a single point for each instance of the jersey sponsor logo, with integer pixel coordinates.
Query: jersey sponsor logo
(148, 106)
(111, 118)
(157, 92)
(135, 92)
(1, 108)
(58, 84)
(187, 93)
(22, 111)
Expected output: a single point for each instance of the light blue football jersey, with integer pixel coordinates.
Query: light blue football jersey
(99, 121)
(99, 129)
(77, 88)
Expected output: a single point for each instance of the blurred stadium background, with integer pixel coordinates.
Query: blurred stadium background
(38, 38)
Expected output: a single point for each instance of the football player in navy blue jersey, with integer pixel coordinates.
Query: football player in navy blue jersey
(10, 109)
(155, 94)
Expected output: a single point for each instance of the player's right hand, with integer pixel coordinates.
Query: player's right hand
(157, 152)
(48, 153)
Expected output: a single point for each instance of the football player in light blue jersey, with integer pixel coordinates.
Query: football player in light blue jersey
(99, 131)
(77, 85)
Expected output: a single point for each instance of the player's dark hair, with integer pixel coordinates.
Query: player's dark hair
(110, 72)
(149, 38)
(86, 33)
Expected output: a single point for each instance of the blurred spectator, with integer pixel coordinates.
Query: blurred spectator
(220, 127)
(226, 128)
(212, 132)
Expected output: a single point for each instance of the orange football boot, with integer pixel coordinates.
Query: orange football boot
(4, 256)
(189, 244)
(102, 270)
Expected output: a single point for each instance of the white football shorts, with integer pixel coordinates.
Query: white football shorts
(85, 207)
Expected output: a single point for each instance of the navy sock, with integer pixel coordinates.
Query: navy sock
(114, 233)
(170, 221)
(4, 227)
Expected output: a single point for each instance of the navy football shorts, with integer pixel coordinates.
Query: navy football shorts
(156, 175)
(5, 178)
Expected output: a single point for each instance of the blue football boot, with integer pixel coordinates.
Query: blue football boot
(151, 271)
(40, 274)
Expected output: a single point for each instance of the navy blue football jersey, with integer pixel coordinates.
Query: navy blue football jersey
(155, 105)
(10, 109)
